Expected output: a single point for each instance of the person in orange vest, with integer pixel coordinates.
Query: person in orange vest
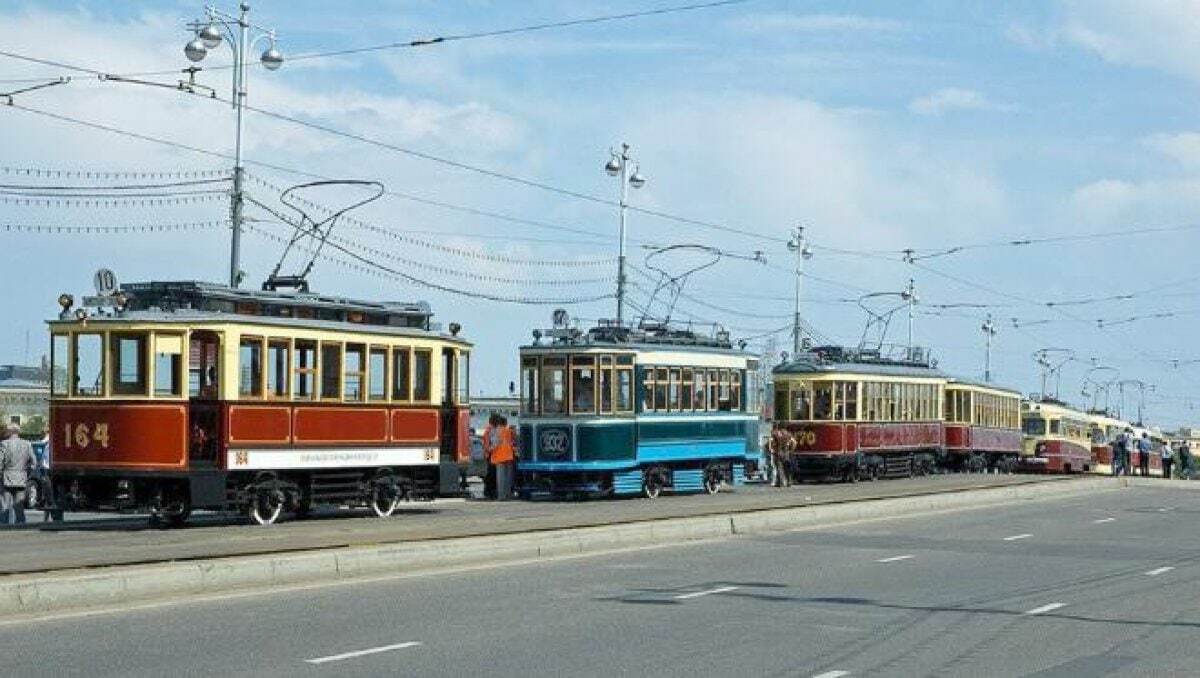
(503, 455)
(491, 437)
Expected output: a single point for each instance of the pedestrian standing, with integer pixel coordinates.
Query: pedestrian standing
(1185, 460)
(1168, 459)
(491, 436)
(503, 455)
(1118, 450)
(17, 464)
(779, 450)
(1144, 448)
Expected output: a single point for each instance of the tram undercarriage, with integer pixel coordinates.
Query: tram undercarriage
(263, 496)
(648, 480)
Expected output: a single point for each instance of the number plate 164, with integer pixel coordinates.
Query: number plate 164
(81, 435)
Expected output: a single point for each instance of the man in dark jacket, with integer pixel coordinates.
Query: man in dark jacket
(17, 464)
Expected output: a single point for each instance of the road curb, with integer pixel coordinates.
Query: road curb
(42, 593)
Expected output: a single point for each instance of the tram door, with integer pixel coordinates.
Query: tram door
(453, 421)
(204, 406)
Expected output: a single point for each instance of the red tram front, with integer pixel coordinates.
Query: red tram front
(180, 395)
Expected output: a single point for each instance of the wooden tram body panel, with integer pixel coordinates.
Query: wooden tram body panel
(962, 438)
(206, 400)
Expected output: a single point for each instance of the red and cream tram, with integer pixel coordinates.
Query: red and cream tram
(854, 415)
(173, 396)
(983, 427)
(1058, 438)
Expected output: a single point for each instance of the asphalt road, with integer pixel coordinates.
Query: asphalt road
(43, 547)
(1093, 585)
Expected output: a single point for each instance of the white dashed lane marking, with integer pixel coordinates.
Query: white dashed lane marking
(1159, 570)
(894, 559)
(1018, 536)
(832, 674)
(1103, 520)
(1046, 608)
(361, 653)
(697, 594)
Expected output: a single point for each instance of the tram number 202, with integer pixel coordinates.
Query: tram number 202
(80, 435)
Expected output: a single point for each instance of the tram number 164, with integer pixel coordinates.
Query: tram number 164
(83, 436)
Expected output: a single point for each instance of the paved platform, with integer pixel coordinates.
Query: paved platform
(129, 540)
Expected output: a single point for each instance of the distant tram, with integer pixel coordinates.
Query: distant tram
(859, 415)
(1057, 438)
(184, 395)
(617, 411)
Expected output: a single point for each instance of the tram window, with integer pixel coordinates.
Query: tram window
(354, 371)
(701, 391)
(583, 385)
(606, 388)
(781, 403)
(714, 389)
(377, 374)
(204, 349)
(250, 367)
(277, 368)
(752, 386)
(687, 384)
(673, 390)
(735, 390)
(529, 385)
(331, 371)
(661, 381)
(624, 389)
(554, 385)
(401, 374)
(128, 355)
(802, 401)
(168, 365)
(306, 370)
(848, 401)
(1056, 426)
(823, 401)
(462, 373)
(422, 375)
(58, 364)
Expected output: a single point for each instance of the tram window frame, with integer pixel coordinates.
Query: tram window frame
(530, 385)
(735, 390)
(847, 404)
(662, 380)
(822, 411)
(305, 380)
(581, 367)
(167, 358)
(422, 375)
(700, 391)
(801, 392)
(462, 377)
(360, 375)
(401, 381)
(330, 375)
(138, 384)
(605, 385)
(60, 364)
(251, 356)
(753, 396)
(377, 384)
(278, 364)
(782, 402)
(623, 396)
(554, 376)
(1055, 427)
(687, 388)
(674, 389)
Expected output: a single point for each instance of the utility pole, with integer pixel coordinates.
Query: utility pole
(803, 251)
(618, 166)
(208, 36)
(989, 331)
(910, 295)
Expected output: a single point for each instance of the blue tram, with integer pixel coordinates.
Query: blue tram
(615, 411)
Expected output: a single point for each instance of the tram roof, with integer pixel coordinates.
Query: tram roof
(196, 301)
(607, 337)
(837, 360)
(970, 383)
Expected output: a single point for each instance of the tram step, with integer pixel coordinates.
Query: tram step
(628, 482)
(739, 474)
(689, 480)
(900, 465)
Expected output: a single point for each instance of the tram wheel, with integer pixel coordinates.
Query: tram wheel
(266, 507)
(651, 484)
(712, 481)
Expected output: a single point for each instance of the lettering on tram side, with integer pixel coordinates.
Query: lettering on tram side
(554, 442)
(81, 435)
(805, 437)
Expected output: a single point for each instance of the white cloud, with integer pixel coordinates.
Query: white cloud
(798, 23)
(955, 99)
(1183, 147)
(1162, 34)
(1148, 203)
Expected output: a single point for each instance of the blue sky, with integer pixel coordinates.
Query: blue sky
(879, 125)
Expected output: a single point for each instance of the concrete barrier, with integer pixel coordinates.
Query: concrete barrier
(43, 593)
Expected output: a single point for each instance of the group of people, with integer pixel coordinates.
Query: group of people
(1126, 443)
(500, 450)
(18, 464)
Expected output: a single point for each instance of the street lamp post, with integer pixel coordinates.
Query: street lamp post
(618, 166)
(989, 331)
(800, 246)
(237, 34)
